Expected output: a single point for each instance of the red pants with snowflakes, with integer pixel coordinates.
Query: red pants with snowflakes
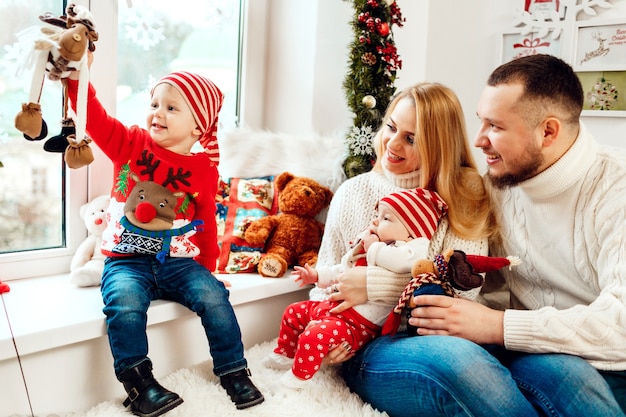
(308, 346)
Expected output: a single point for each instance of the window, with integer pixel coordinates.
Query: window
(155, 38)
(31, 180)
(140, 41)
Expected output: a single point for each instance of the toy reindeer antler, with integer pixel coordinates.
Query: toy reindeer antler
(464, 269)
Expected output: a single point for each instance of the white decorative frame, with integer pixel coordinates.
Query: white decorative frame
(549, 7)
(552, 24)
(515, 45)
(599, 58)
(600, 45)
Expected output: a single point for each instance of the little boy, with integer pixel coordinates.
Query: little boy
(161, 240)
(396, 238)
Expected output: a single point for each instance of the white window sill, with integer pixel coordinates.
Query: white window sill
(45, 313)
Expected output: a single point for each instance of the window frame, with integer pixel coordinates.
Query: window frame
(84, 184)
(52, 261)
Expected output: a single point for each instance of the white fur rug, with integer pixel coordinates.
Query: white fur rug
(203, 396)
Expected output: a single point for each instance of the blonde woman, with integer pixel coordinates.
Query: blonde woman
(422, 143)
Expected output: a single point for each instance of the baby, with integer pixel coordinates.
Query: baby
(396, 238)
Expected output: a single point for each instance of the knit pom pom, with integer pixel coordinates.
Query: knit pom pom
(513, 261)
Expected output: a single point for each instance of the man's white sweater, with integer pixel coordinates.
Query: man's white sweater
(568, 225)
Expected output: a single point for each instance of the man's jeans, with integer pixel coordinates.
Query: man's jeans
(449, 376)
(130, 284)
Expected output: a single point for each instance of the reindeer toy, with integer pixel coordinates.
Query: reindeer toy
(450, 271)
(57, 52)
(148, 222)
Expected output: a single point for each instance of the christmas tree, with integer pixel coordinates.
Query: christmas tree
(369, 83)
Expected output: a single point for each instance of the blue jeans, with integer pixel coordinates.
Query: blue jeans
(130, 284)
(449, 376)
(617, 382)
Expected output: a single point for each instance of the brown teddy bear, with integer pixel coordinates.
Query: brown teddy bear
(294, 235)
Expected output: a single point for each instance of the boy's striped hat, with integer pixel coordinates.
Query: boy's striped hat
(205, 100)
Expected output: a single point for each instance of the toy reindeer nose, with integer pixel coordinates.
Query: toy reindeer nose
(145, 212)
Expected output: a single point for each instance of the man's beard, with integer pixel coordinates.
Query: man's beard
(527, 167)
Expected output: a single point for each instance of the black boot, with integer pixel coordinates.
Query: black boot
(240, 389)
(59, 142)
(146, 397)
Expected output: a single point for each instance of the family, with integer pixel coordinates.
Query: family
(555, 345)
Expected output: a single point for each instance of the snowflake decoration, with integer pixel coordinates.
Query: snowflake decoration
(146, 30)
(360, 140)
(219, 14)
(12, 54)
(540, 22)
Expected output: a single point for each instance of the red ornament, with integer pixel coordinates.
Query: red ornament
(383, 29)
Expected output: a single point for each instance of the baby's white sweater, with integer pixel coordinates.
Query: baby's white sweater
(398, 256)
(568, 224)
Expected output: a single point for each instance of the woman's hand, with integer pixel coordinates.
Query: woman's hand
(441, 315)
(351, 289)
(338, 353)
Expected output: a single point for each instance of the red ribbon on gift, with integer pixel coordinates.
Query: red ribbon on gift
(531, 43)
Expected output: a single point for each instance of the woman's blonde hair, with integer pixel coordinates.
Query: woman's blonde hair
(446, 162)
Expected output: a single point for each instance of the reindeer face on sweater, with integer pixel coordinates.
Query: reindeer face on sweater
(151, 206)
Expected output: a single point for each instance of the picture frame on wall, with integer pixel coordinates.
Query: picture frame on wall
(515, 45)
(545, 7)
(605, 93)
(599, 59)
(600, 46)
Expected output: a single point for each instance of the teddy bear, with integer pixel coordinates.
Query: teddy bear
(88, 262)
(449, 271)
(294, 235)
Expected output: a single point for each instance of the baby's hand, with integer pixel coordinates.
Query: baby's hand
(306, 275)
(369, 239)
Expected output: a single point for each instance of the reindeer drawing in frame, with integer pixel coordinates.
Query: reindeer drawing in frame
(600, 51)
